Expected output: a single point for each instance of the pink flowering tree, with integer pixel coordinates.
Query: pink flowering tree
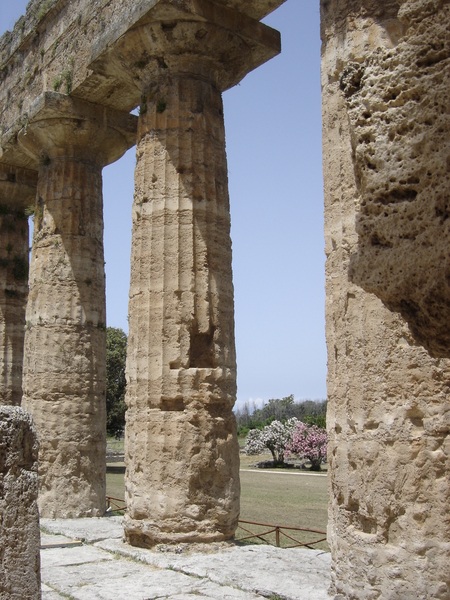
(310, 442)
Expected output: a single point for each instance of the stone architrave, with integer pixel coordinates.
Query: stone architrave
(17, 192)
(181, 450)
(19, 517)
(388, 401)
(64, 366)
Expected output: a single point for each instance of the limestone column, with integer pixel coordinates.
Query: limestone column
(388, 401)
(17, 192)
(20, 575)
(182, 479)
(65, 340)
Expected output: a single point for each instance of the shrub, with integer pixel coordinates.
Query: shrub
(310, 442)
(116, 353)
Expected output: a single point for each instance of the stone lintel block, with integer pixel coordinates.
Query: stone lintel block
(256, 9)
(17, 186)
(58, 121)
(19, 517)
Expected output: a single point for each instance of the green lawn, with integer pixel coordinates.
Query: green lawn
(281, 498)
(285, 499)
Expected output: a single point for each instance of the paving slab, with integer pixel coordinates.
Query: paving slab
(89, 530)
(49, 594)
(295, 573)
(109, 569)
(58, 557)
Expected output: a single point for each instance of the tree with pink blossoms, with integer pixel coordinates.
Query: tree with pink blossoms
(310, 442)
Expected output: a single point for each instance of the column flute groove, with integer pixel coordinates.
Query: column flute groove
(187, 485)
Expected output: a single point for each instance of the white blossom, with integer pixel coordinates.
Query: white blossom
(273, 437)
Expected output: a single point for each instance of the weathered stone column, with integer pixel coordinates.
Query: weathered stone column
(20, 575)
(64, 367)
(181, 451)
(388, 401)
(17, 192)
(181, 448)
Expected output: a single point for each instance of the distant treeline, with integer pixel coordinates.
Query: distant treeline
(309, 411)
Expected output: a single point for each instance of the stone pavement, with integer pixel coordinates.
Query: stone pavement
(104, 568)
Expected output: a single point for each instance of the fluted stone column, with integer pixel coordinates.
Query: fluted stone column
(182, 480)
(64, 367)
(17, 192)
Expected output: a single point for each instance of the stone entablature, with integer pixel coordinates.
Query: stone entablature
(72, 49)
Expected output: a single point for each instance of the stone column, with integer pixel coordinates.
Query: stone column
(20, 575)
(388, 401)
(17, 192)
(65, 340)
(182, 479)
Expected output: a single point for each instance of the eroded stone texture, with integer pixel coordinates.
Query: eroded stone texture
(19, 517)
(182, 480)
(388, 405)
(64, 365)
(17, 192)
(400, 126)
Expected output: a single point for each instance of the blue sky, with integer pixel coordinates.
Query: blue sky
(273, 129)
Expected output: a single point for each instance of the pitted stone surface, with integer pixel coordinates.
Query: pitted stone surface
(388, 403)
(113, 570)
(400, 125)
(19, 517)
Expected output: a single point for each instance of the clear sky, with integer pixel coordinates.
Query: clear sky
(273, 128)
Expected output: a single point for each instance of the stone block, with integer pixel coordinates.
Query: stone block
(19, 517)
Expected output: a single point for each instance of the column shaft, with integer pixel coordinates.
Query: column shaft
(182, 480)
(17, 191)
(64, 367)
(388, 401)
(13, 300)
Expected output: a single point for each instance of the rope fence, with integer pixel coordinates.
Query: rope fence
(118, 505)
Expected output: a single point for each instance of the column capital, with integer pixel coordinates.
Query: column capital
(59, 125)
(201, 38)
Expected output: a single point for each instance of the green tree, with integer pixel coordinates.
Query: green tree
(116, 354)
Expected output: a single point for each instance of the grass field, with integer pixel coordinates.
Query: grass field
(281, 497)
